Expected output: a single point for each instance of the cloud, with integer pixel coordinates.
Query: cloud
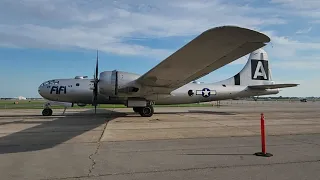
(115, 26)
(300, 64)
(283, 48)
(304, 31)
(289, 42)
(298, 4)
(315, 22)
(125, 28)
(305, 8)
(306, 88)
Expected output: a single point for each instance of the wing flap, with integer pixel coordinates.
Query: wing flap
(272, 86)
(209, 51)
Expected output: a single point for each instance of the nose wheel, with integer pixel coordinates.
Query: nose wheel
(47, 112)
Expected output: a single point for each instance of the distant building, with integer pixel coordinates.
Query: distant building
(21, 98)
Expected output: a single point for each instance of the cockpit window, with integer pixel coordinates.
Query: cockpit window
(51, 82)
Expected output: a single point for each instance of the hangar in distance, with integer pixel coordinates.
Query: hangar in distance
(170, 82)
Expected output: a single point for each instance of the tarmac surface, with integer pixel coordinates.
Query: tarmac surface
(175, 143)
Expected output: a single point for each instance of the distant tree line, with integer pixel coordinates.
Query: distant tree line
(16, 98)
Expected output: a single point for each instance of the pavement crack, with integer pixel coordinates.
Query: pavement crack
(91, 156)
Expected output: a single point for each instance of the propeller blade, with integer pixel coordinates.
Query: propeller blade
(95, 84)
(97, 66)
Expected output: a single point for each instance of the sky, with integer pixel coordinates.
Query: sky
(42, 40)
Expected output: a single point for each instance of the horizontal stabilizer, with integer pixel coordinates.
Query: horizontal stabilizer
(272, 86)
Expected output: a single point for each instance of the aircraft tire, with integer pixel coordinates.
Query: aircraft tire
(47, 112)
(146, 111)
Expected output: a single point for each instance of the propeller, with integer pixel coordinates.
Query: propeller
(95, 85)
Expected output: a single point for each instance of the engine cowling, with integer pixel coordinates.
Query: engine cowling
(117, 83)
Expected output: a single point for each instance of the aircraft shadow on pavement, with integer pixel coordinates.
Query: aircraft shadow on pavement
(55, 131)
(21, 122)
(199, 112)
(218, 154)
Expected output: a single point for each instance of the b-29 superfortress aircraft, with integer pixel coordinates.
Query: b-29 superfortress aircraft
(171, 81)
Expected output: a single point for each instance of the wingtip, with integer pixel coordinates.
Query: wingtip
(259, 36)
(293, 84)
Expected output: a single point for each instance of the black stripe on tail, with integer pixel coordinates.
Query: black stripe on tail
(237, 79)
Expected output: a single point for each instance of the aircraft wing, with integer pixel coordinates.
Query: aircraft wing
(272, 86)
(209, 51)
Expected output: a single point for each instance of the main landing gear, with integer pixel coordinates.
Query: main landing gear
(144, 111)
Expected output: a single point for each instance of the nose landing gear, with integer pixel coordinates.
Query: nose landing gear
(47, 112)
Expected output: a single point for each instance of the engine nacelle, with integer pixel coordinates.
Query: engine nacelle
(117, 83)
(108, 83)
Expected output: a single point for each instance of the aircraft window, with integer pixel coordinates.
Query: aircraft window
(77, 84)
(52, 82)
(224, 85)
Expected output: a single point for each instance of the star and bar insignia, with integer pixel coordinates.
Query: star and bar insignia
(205, 92)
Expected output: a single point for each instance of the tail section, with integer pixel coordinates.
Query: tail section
(255, 72)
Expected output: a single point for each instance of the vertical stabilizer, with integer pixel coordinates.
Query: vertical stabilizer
(255, 72)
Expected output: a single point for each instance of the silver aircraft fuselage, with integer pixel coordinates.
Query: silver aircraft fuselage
(80, 91)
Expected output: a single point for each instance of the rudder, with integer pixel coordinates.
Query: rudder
(255, 72)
